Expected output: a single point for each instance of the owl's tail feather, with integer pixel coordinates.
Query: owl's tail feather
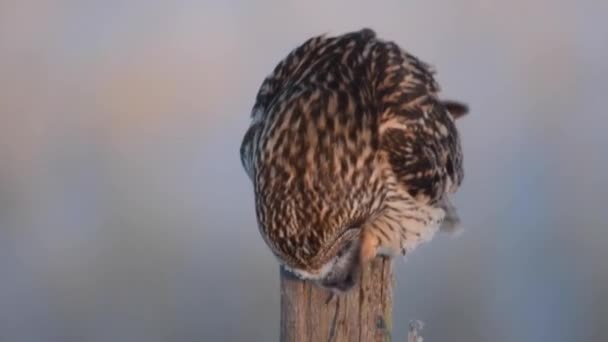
(456, 109)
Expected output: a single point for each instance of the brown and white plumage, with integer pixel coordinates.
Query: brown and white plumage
(351, 154)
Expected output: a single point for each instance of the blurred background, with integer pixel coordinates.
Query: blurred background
(125, 214)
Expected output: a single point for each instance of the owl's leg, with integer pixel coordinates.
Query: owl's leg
(379, 238)
(399, 229)
(369, 245)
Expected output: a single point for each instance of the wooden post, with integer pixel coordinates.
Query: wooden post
(362, 314)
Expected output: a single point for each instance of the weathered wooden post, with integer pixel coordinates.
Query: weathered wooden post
(362, 314)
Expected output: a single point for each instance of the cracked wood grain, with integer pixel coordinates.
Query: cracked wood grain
(362, 314)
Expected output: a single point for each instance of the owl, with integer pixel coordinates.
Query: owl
(352, 155)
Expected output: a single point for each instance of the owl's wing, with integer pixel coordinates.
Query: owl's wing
(275, 88)
(425, 157)
(308, 59)
(298, 63)
(247, 148)
(417, 130)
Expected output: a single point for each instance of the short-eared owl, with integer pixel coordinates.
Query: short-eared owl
(351, 154)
